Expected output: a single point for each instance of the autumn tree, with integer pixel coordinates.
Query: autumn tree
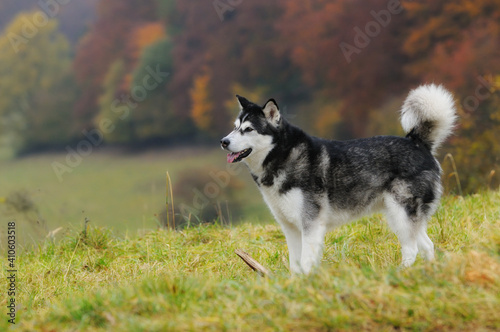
(139, 107)
(143, 36)
(453, 42)
(341, 61)
(113, 109)
(239, 44)
(341, 67)
(155, 119)
(37, 87)
(116, 103)
(202, 107)
(105, 43)
(194, 24)
(475, 147)
(456, 43)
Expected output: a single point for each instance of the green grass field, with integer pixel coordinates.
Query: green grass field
(124, 192)
(191, 280)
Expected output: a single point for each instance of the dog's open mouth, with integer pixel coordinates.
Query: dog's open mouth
(234, 157)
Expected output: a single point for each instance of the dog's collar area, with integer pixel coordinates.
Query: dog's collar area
(235, 157)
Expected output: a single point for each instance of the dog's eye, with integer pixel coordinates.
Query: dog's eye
(247, 130)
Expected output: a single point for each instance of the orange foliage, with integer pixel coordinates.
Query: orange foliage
(202, 107)
(315, 29)
(105, 42)
(292, 51)
(453, 42)
(144, 36)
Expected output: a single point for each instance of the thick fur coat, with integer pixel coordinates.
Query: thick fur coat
(313, 185)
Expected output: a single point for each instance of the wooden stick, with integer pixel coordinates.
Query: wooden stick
(252, 263)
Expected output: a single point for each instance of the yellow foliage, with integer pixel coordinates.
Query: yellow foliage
(30, 62)
(33, 61)
(201, 105)
(495, 116)
(328, 117)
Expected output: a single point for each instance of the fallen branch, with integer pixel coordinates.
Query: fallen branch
(252, 263)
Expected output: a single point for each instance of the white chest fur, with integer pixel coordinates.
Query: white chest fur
(286, 207)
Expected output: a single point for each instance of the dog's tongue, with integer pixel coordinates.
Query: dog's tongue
(232, 156)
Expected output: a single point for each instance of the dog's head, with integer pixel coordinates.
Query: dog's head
(254, 130)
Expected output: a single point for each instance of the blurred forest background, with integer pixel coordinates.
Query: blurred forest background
(142, 73)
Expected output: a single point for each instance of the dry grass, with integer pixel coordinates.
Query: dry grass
(192, 280)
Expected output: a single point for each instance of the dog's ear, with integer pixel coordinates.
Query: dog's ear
(272, 112)
(244, 103)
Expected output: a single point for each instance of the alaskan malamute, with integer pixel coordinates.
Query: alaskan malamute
(312, 185)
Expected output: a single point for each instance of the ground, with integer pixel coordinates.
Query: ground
(192, 280)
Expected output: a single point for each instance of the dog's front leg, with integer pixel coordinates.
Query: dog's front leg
(294, 242)
(313, 238)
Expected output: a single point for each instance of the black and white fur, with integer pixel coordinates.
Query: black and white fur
(313, 185)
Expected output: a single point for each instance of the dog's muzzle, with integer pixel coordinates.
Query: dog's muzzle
(234, 157)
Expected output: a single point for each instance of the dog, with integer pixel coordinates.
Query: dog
(313, 185)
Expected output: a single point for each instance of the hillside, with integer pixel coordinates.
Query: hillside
(191, 279)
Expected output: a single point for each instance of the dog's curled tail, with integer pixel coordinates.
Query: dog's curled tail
(428, 114)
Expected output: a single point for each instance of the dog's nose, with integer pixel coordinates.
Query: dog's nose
(224, 142)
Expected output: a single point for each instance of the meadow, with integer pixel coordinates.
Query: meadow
(191, 280)
(120, 191)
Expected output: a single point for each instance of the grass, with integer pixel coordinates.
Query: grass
(192, 281)
(124, 192)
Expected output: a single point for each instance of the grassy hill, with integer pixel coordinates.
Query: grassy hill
(192, 280)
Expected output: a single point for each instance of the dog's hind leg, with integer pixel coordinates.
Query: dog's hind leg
(404, 228)
(294, 242)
